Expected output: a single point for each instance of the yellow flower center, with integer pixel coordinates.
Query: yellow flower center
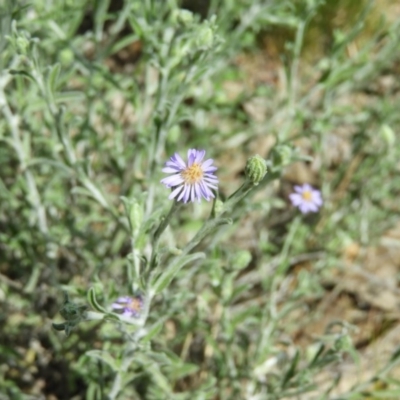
(134, 304)
(307, 195)
(192, 174)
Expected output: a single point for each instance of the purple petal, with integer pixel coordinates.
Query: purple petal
(210, 186)
(123, 299)
(210, 176)
(303, 207)
(197, 191)
(171, 181)
(317, 198)
(207, 164)
(199, 156)
(186, 194)
(175, 165)
(296, 199)
(209, 181)
(206, 192)
(183, 193)
(298, 189)
(193, 196)
(209, 169)
(312, 207)
(177, 159)
(175, 192)
(128, 313)
(191, 155)
(171, 170)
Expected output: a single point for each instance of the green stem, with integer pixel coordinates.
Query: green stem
(161, 228)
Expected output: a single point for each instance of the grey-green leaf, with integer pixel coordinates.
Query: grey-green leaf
(166, 277)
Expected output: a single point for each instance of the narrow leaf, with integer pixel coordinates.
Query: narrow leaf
(153, 331)
(291, 372)
(103, 356)
(93, 301)
(166, 277)
(22, 72)
(53, 77)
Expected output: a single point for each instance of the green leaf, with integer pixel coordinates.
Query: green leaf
(58, 327)
(53, 77)
(383, 394)
(94, 391)
(154, 371)
(103, 356)
(125, 41)
(54, 163)
(184, 370)
(153, 331)
(291, 372)
(93, 301)
(395, 355)
(22, 72)
(248, 314)
(137, 26)
(317, 355)
(166, 277)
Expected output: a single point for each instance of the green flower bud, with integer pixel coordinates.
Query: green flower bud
(205, 37)
(219, 207)
(66, 57)
(183, 17)
(281, 155)
(22, 44)
(343, 343)
(241, 260)
(387, 134)
(256, 168)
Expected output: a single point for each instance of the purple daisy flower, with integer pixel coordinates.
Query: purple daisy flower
(128, 306)
(306, 198)
(192, 180)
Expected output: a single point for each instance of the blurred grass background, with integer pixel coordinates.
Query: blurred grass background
(82, 93)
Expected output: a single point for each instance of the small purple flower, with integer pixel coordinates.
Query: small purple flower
(128, 306)
(192, 180)
(306, 198)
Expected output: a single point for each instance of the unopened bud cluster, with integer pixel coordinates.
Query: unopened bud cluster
(256, 168)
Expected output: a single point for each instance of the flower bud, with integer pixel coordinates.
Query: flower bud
(343, 343)
(219, 207)
(241, 260)
(387, 134)
(281, 155)
(183, 17)
(205, 37)
(22, 44)
(66, 57)
(73, 314)
(256, 168)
